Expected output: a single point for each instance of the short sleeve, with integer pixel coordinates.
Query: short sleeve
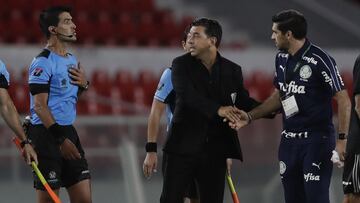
(164, 87)
(4, 76)
(329, 73)
(40, 71)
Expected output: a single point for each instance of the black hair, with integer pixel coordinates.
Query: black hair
(185, 33)
(291, 20)
(50, 17)
(212, 28)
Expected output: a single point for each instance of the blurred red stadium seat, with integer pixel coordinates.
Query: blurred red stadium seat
(39, 4)
(19, 93)
(147, 31)
(139, 99)
(84, 28)
(84, 6)
(101, 82)
(259, 84)
(128, 22)
(168, 29)
(148, 82)
(16, 27)
(35, 34)
(125, 5)
(125, 82)
(21, 5)
(95, 104)
(185, 22)
(125, 29)
(105, 28)
(119, 105)
(143, 6)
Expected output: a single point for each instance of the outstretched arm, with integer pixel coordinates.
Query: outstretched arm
(11, 117)
(270, 105)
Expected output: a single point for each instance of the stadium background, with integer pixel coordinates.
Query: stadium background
(124, 45)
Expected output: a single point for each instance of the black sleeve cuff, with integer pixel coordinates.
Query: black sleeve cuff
(151, 147)
(39, 88)
(3, 82)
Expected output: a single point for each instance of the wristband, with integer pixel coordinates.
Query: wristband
(151, 147)
(341, 136)
(24, 142)
(58, 132)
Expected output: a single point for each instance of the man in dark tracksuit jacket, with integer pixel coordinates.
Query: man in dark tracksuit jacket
(208, 87)
(306, 81)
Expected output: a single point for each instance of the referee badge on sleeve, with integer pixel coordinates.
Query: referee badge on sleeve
(37, 71)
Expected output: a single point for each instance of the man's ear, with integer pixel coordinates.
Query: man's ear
(183, 43)
(288, 34)
(213, 40)
(52, 29)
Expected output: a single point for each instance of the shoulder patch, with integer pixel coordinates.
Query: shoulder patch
(37, 71)
(45, 53)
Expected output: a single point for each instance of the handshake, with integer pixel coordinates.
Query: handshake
(235, 117)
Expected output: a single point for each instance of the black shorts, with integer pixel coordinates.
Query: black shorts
(57, 171)
(191, 192)
(351, 174)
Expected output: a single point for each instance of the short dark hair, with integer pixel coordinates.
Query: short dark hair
(212, 28)
(291, 20)
(50, 17)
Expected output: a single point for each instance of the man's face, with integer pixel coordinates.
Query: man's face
(280, 39)
(197, 41)
(66, 28)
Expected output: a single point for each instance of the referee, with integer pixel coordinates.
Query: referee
(56, 79)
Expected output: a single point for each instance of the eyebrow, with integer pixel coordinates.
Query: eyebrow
(195, 33)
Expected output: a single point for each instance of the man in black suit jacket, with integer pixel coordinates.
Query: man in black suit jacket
(209, 89)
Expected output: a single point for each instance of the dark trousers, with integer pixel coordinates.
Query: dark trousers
(305, 169)
(208, 172)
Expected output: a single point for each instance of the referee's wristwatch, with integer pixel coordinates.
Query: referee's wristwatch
(24, 142)
(85, 87)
